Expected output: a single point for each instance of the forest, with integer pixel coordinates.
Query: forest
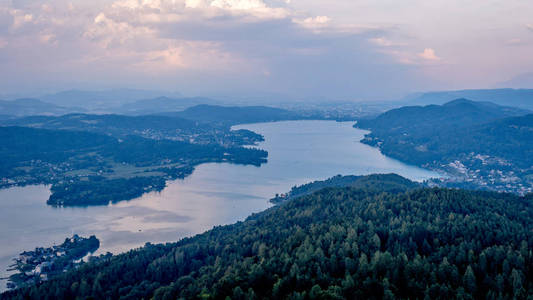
(231, 115)
(343, 242)
(483, 144)
(378, 182)
(148, 126)
(86, 168)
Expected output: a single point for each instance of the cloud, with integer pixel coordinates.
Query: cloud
(385, 42)
(198, 46)
(429, 54)
(20, 18)
(313, 23)
(529, 26)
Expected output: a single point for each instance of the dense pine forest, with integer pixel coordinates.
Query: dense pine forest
(335, 243)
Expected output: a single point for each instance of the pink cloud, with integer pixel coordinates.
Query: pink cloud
(428, 54)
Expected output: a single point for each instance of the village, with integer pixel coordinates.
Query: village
(43, 263)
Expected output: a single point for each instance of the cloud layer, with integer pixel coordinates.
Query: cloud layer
(211, 46)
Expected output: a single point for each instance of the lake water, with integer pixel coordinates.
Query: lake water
(215, 194)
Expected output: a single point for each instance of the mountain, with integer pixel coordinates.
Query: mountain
(522, 98)
(426, 119)
(477, 144)
(235, 114)
(28, 106)
(337, 243)
(105, 99)
(161, 105)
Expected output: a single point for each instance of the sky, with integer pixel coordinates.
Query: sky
(339, 49)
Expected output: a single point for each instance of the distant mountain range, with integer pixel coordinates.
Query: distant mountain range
(199, 117)
(522, 98)
(161, 105)
(28, 106)
(105, 99)
(31, 107)
(479, 143)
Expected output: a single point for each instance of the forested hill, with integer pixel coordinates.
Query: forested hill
(87, 168)
(108, 124)
(422, 120)
(235, 114)
(333, 244)
(522, 98)
(150, 126)
(378, 182)
(479, 145)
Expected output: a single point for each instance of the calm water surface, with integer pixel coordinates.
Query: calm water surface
(215, 194)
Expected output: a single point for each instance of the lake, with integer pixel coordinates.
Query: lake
(215, 194)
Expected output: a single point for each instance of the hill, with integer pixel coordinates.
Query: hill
(110, 124)
(152, 126)
(233, 115)
(86, 168)
(424, 119)
(161, 105)
(522, 98)
(337, 243)
(26, 107)
(478, 144)
(378, 182)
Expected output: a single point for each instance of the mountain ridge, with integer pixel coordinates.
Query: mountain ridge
(522, 98)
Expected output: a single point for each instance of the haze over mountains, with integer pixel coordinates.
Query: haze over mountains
(141, 102)
(522, 98)
(28, 106)
(161, 105)
(104, 99)
(184, 149)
